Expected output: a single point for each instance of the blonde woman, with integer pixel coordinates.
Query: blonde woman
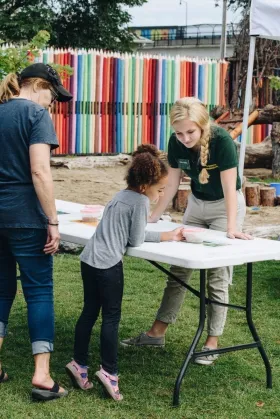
(207, 154)
(28, 221)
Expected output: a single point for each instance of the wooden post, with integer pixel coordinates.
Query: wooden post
(275, 139)
(180, 201)
(252, 194)
(222, 117)
(238, 130)
(267, 196)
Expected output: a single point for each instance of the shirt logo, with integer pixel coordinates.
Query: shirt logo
(184, 164)
(211, 166)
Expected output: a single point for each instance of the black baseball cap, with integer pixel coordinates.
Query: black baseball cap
(46, 72)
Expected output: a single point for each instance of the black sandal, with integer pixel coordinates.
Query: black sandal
(42, 394)
(3, 377)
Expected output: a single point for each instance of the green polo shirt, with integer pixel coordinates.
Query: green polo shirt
(222, 156)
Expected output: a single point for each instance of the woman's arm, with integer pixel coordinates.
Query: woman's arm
(43, 184)
(42, 179)
(228, 179)
(174, 177)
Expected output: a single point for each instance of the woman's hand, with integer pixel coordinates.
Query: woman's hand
(53, 239)
(231, 234)
(152, 219)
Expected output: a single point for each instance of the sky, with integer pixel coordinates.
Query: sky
(169, 12)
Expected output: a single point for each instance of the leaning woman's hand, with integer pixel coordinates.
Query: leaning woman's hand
(238, 235)
(152, 219)
(53, 239)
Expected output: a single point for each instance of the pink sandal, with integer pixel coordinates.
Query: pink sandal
(110, 384)
(78, 376)
(3, 376)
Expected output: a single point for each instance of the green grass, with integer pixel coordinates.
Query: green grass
(230, 389)
(267, 180)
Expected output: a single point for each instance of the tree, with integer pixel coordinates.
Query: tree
(275, 139)
(21, 20)
(266, 60)
(267, 55)
(235, 4)
(98, 24)
(15, 59)
(78, 23)
(239, 3)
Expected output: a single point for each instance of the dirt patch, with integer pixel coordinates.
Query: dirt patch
(88, 186)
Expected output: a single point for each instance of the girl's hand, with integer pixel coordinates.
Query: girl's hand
(173, 236)
(231, 234)
(51, 247)
(177, 234)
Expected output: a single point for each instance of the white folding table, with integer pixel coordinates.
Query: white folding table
(195, 256)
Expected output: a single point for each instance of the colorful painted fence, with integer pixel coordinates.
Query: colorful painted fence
(121, 101)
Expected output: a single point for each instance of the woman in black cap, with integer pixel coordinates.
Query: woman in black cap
(28, 220)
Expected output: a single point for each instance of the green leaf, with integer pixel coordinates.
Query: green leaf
(100, 24)
(15, 59)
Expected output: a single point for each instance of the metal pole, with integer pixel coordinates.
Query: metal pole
(252, 326)
(186, 19)
(186, 3)
(248, 96)
(224, 28)
(202, 312)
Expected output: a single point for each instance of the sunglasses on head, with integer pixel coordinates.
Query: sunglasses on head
(54, 95)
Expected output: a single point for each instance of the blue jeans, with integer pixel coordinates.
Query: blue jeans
(24, 246)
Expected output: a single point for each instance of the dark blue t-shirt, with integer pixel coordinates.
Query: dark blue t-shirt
(22, 123)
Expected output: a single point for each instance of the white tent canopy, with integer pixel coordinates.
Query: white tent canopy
(265, 16)
(264, 23)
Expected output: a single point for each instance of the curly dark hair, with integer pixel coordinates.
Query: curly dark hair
(146, 167)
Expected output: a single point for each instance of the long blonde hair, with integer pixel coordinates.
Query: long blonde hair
(11, 85)
(194, 110)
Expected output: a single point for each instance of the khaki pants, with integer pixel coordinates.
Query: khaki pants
(206, 214)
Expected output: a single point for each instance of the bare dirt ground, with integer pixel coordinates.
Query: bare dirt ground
(98, 185)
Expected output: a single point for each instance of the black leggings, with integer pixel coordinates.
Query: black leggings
(103, 288)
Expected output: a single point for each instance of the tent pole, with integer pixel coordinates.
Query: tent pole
(248, 96)
(223, 47)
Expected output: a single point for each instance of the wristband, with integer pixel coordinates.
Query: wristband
(52, 224)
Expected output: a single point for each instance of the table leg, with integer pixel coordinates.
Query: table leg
(252, 326)
(191, 354)
(202, 314)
